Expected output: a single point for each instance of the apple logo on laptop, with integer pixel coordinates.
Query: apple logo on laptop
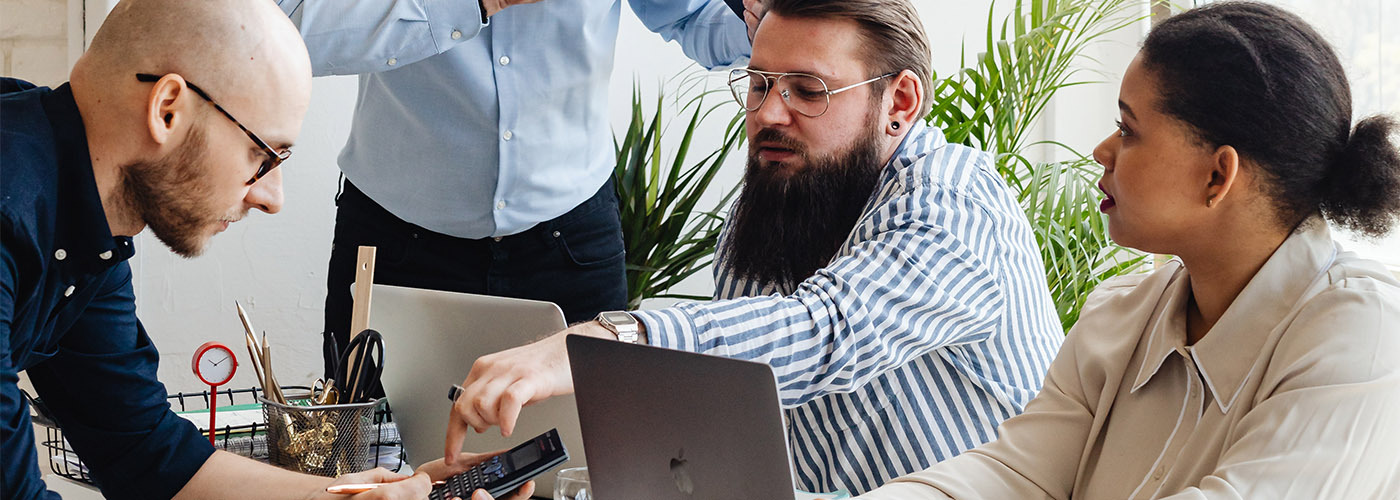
(681, 473)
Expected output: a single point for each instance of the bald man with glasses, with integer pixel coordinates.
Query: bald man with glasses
(133, 142)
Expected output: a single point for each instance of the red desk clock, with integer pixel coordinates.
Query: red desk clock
(214, 364)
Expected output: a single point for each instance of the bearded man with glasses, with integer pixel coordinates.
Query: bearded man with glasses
(889, 278)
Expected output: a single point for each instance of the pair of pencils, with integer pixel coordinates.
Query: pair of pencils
(261, 354)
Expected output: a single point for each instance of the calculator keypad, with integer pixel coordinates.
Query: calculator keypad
(462, 485)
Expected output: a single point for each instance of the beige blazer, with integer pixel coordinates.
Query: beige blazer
(1294, 393)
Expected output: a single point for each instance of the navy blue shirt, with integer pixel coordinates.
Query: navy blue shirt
(68, 316)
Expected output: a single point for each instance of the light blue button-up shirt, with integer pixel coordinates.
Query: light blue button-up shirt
(477, 130)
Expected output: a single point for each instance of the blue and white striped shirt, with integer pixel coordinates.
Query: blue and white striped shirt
(931, 325)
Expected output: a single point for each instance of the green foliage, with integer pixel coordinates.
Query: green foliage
(666, 237)
(992, 105)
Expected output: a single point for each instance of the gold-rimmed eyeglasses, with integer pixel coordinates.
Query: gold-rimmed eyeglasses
(805, 93)
(274, 157)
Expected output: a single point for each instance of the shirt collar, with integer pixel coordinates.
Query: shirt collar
(83, 237)
(917, 143)
(1227, 354)
(1166, 331)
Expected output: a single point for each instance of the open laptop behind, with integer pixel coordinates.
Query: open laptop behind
(431, 339)
(661, 424)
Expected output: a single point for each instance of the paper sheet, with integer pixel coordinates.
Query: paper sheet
(227, 416)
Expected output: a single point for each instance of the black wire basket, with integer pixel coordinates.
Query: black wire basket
(248, 440)
(325, 440)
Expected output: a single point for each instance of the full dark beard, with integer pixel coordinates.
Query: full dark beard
(171, 196)
(787, 225)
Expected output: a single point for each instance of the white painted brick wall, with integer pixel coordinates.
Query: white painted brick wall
(34, 40)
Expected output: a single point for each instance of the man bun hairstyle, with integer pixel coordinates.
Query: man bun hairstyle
(893, 34)
(1259, 79)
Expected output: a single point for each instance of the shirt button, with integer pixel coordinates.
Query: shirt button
(456, 35)
(69, 291)
(501, 205)
(393, 61)
(60, 254)
(1159, 473)
(507, 135)
(505, 60)
(105, 255)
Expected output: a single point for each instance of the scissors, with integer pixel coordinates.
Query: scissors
(358, 369)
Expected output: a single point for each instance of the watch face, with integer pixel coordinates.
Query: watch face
(619, 318)
(215, 365)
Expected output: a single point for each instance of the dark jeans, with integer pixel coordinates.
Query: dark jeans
(574, 260)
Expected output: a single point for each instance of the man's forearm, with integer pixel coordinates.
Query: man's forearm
(226, 475)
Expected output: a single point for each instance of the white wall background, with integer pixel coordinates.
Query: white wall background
(34, 40)
(275, 265)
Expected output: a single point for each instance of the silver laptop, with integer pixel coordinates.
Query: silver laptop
(431, 339)
(661, 424)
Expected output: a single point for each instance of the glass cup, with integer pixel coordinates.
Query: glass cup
(572, 484)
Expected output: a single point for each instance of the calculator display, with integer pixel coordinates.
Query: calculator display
(525, 455)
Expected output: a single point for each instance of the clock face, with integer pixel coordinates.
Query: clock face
(214, 364)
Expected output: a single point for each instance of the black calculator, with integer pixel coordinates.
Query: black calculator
(504, 473)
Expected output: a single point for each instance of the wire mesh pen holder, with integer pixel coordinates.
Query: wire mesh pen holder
(325, 440)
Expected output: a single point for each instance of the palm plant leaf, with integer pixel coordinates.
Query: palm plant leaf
(992, 105)
(667, 238)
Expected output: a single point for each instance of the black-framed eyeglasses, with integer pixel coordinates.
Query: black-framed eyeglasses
(804, 93)
(274, 157)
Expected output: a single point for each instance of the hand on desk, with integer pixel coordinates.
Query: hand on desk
(500, 384)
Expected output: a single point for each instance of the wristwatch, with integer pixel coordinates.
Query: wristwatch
(621, 324)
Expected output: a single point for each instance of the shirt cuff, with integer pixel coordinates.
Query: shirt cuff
(669, 328)
(451, 22)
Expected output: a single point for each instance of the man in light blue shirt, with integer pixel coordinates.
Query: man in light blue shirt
(480, 154)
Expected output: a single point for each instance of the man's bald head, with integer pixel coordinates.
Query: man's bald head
(245, 53)
(162, 156)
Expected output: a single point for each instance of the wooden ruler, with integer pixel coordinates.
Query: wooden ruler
(359, 316)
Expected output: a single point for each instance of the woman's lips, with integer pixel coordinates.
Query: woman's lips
(1107, 202)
